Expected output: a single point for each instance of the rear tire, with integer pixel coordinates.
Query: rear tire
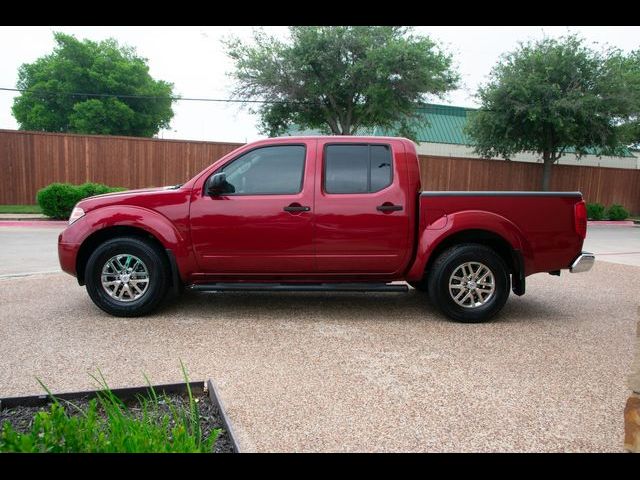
(469, 283)
(127, 276)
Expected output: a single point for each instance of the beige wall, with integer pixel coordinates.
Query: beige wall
(451, 150)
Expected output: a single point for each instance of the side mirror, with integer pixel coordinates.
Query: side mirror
(218, 185)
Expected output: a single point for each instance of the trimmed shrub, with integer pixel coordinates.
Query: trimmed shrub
(595, 211)
(58, 199)
(617, 212)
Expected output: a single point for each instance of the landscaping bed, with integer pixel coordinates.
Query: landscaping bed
(164, 401)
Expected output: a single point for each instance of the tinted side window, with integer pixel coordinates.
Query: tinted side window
(346, 169)
(380, 167)
(357, 168)
(276, 170)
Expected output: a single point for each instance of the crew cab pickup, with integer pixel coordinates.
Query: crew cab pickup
(332, 213)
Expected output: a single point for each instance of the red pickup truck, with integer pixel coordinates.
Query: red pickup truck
(321, 213)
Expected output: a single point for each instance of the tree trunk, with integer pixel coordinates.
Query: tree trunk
(546, 171)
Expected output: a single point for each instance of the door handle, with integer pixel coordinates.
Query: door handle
(296, 208)
(389, 207)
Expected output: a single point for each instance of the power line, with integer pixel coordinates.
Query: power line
(150, 97)
(430, 106)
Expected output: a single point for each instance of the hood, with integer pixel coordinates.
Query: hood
(136, 191)
(144, 197)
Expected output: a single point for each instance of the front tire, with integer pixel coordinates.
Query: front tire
(127, 277)
(469, 283)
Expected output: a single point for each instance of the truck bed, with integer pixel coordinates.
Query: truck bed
(542, 223)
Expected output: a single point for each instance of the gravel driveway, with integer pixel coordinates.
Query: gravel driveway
(354, 372)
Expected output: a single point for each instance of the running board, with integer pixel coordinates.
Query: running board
(300, 287)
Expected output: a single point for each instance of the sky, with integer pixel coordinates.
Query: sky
(193, 59)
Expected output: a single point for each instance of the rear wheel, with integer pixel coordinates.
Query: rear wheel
(127, 277)
(469, 283)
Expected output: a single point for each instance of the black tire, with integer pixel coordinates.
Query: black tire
(420, 285)
(448, 262)
(155, 262)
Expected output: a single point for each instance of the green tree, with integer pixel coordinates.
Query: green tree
(624, 83)
(107, 72)
(338, 79)
(551, 97)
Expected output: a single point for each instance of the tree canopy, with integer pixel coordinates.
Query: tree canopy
(555, 96)
(340, 78)
(85, 87)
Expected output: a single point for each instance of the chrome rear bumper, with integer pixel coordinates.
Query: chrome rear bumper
(583, 263)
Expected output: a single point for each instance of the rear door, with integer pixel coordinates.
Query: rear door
(362, 225)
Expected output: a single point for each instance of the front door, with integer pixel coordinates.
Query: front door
(266, 226)
(361, 209)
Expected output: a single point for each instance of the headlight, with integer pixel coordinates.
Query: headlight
(76, 214)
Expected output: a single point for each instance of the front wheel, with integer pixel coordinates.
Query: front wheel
(127, 277)
(469, 283)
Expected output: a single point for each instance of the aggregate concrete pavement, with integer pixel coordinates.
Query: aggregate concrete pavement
(354, 372)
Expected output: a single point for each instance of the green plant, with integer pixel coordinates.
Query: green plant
(58, 199)
(595, 211)
(557, 96)
(617, 212)
(107, 425)
(100, 70)
(340, 79)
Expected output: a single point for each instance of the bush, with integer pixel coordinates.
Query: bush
(595, 211)
(58, 199)
(617, 212)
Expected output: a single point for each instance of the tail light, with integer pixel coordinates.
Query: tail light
(580, 218)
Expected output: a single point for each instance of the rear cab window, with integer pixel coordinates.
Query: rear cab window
(357, 168)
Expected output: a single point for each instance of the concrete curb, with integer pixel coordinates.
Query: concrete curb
(215, 397)
(28, 274)
(33, 223)
(610, 223)
(23, 216)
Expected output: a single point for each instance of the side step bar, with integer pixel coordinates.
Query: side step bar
(300, 287)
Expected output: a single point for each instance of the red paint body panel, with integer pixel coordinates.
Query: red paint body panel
(342, 238)
(236, 234)
(352, 236)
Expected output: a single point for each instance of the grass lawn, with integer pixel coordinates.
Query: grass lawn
(20, 209)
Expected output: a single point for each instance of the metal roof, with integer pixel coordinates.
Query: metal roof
(434, 124)
(439, 124)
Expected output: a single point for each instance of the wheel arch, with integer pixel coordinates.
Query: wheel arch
(480, 236)
(474, 226)
(100, 236)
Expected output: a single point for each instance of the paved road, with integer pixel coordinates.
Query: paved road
(354, 372)
(26, 250)
(614, 244)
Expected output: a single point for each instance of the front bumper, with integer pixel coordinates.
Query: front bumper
(582, 263)
(67, 254)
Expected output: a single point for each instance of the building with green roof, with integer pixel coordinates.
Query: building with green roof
(440, 132)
